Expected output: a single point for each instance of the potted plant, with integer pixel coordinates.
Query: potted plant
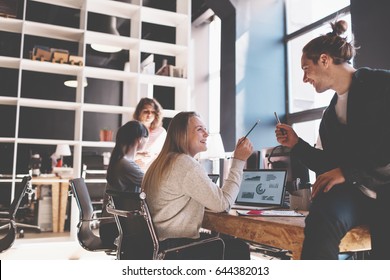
(105, 134)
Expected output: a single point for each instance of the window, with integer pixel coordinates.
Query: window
(304, 104)
(301, 13)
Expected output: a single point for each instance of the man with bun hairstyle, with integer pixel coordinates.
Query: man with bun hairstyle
(352, 160)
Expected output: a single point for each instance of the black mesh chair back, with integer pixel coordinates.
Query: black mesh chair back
(135, 239)
(138, 238)
(8, 240)
(85, 235)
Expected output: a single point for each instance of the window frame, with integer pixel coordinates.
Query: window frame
(310, 114)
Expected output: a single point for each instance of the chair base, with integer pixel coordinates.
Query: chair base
(29, 226)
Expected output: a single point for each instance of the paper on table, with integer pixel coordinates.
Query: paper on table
(270, 213)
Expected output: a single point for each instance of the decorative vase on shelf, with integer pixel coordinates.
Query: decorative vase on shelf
(105, 135)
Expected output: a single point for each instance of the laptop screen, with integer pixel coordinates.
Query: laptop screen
(214, 178)
(264, 187)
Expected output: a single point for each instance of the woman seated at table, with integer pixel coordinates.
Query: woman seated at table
(178, 188)
(123, 174)
(149, 112)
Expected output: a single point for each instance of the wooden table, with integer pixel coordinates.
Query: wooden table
(59, 193)
(281, 232)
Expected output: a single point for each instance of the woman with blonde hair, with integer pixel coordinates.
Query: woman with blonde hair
(178, 188)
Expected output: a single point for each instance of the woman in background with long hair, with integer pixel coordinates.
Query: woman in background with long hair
(123, 174)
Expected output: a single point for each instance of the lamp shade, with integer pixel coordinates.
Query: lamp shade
(107, 25)
(215, 148)
(74, 83)
(63, 150)
(105, 48)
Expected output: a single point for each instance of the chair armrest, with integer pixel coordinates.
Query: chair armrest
(122, 213)
(196, 243)
(98, 219)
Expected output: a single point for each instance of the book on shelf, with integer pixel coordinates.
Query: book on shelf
(148, 65)
(170, 70)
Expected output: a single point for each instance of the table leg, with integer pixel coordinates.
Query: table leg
(63, 203)
(55, 193)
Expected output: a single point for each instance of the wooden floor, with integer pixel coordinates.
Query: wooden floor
(50, 246)
(59, 246)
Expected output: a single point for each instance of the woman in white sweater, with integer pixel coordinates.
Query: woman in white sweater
(178, 188)
(150, 113)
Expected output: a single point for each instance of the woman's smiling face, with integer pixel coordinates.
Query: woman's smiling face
(197, 136)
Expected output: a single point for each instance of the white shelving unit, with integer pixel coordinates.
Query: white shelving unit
(133, 80)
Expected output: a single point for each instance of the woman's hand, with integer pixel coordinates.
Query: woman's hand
(243, 149)
(286, 135)
(144, 153)
(140, 163)
(326, 181)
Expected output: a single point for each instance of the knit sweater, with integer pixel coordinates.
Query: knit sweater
(177, 204)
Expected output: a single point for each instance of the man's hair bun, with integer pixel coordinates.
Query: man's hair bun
(339, 27)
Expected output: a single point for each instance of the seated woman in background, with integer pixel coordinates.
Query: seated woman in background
(178, 188)
(123, 174)
(149, 112)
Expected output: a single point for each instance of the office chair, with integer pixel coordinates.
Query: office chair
(137, 237)
(8, 240)
(24, 208)
(94, 176)
(85, 235)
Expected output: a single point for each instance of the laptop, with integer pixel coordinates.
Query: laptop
(214, 178)
(261, 189)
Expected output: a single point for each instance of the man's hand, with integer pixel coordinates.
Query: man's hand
(286, 135)
(327, 180)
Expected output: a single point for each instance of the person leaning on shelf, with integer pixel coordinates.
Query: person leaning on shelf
(123, 174)
(149, 112)
(352, 161)
(178, 188)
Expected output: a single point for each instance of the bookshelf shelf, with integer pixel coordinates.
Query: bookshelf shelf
(32, 80)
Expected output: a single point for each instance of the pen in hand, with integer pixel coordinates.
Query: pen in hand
(239, 143)
(248, 133)
(277, 118)
(279, 122)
